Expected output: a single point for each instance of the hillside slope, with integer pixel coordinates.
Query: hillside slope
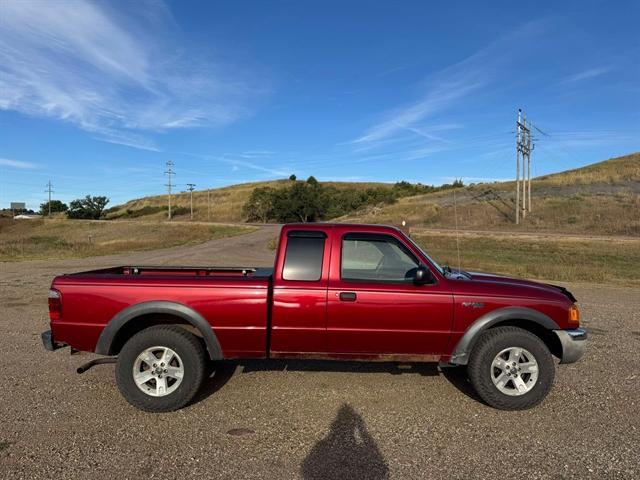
(599, 199)
(216, 205)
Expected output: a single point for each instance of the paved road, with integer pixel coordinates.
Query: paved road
(311, 421)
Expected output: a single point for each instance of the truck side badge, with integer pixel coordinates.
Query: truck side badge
(473, 304)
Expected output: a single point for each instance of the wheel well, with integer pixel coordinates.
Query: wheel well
(547, 336)
(141, 322)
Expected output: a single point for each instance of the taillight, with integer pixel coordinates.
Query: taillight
(55, 305)
(574, 315)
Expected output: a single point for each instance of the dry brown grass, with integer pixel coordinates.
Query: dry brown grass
(545, 258)
(601, 199)
(613, 171)
(617, 214)
(44, 239)
(226, 203)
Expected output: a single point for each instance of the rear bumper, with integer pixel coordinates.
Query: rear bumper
(48, 342)
(573, 344)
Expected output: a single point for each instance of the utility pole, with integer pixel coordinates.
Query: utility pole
(518, 139)
(170, 173)
(209, 205)
(524, 147)
(191, 186)
(530, 149)
(49, 190)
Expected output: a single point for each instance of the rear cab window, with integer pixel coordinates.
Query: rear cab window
(304, 255)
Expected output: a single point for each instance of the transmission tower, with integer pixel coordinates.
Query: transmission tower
(190, 187)
(170, 173)
(524, 147)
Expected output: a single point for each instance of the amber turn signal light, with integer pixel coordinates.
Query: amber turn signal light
(574, 315)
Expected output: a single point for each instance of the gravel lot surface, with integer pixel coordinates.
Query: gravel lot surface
(309, 420)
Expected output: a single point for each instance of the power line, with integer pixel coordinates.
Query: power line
(170, 173)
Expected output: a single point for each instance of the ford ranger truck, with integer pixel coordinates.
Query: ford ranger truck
(337, 292)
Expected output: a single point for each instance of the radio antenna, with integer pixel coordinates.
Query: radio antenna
(455, 214)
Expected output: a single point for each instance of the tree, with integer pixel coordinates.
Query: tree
(259, 207)
(56, 206)
(88, 207)
(292, 178)
(302, 202)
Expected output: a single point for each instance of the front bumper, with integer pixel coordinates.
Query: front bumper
(48, 341)
(573, 344)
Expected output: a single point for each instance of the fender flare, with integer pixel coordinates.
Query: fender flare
(110, 331)
(462, 350)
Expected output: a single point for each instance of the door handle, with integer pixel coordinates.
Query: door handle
(348, 296)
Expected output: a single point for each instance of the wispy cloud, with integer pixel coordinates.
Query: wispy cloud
(240, 160)
(7, 162)
(114, 75)
(586, 75)
(444, 90)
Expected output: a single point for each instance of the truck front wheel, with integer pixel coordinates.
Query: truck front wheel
(161, 368)
(511, 368)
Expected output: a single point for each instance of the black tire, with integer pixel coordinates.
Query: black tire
(189, 350)
(480, 370)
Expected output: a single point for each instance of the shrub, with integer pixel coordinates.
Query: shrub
(87, 208)
(56, 206)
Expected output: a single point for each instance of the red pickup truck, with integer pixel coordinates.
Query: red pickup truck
(337, 291)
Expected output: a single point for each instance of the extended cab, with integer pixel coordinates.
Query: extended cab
(337, 291)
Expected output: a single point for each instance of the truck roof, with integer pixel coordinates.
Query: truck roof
(321, 225)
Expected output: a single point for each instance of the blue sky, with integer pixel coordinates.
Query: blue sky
(97, 96)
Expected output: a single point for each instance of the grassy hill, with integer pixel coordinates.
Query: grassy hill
(216, 205)
(599, 199)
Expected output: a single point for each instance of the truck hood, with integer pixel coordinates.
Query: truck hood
(488, 283)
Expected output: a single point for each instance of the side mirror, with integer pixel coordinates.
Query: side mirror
(423, 276)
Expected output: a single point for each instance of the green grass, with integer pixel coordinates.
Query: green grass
(52, 239)
(568, 260)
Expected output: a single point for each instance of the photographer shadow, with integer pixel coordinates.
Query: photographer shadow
(348, 451)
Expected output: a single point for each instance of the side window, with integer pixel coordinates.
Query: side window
(376, 257)
(303, 258)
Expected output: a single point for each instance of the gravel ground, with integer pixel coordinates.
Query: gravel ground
(309, 420)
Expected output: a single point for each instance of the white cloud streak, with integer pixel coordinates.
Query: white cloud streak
(448, 88)
(7, 162)
(112, 74)
(586, 74)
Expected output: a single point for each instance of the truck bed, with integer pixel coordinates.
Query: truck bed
(169, 271)
(233, 300)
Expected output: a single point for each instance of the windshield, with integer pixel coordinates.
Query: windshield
(433, 262)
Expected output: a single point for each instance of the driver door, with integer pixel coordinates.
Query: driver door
(373, 306)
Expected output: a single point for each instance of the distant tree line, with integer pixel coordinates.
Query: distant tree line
(89, 207)
(310, 201)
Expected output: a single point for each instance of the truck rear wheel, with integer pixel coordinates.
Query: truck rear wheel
(511, 368)
(161, 368)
